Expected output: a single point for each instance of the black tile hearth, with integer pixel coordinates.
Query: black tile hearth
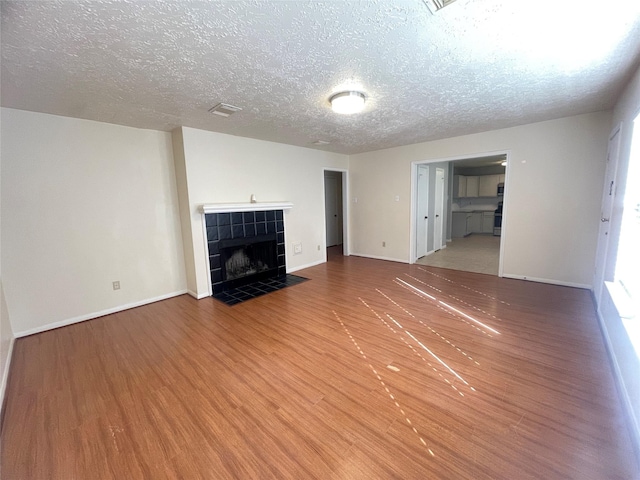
(257, 289)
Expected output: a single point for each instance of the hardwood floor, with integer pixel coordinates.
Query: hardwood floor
(354, 374)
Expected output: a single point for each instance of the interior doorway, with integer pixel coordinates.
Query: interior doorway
(335, 210)
(449, 200)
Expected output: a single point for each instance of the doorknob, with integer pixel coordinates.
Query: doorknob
(437, 216)
(603, 220)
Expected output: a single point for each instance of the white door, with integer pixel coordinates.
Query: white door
(438, 198)
(333, 212)
(600, 274)
(422, 189)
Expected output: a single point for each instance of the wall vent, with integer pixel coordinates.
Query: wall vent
(224, 109)
(435, 5)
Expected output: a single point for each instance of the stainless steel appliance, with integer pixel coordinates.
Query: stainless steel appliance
(497, 220)
(500, 192)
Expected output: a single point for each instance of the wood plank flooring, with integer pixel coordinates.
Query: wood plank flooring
(369, 370)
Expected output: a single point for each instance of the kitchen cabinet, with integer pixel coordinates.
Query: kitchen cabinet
(475, 223)
(459, 186)
(473, 185)
(488, 186)
(487, 222)
(460, 225)
(466, 186)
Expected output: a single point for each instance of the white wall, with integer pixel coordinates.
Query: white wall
(6, 332)
(6, 343)
(222, 168)
(552, 200)
(624, 357)
(85, 204)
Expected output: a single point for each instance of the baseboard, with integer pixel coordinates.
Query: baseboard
(376, 257)
(91, 316)
(547, 280)
(308, 265)
(634, 426)
(196, 296)
(5, 379)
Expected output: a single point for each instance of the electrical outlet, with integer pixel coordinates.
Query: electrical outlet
(318, 247)
(297, 248)
(116, 285)
(384, 244)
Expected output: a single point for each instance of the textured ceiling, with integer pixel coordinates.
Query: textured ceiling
(476, 65)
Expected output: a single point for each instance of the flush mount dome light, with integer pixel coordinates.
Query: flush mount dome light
(347, 102)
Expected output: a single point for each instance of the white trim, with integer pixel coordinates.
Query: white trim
(5, 375)
(346, 208)
(308, 265)
(377, 257)
(548, 280)
(619, 379)
(102, 313)
(244, 207)
(200, 296)
(205, 240)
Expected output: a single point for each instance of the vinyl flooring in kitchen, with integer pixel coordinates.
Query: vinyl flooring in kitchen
(476, 253)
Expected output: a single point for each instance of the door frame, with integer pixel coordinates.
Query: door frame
(505, 210)
(345, 212)
(426, 232)
(437, 240)
(603, 244)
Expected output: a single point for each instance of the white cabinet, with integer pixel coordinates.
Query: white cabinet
(465, 186)
(475, 223)
(488, 185)
(487, 222)
(459, 186)
(459, 225)
(473, 184)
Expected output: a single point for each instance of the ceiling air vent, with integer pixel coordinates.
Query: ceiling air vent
(435, 5)
(224, 109)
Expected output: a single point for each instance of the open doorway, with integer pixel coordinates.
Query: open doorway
(335, 209)
(464, 207)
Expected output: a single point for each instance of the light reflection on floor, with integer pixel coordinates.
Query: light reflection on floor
(400, 331)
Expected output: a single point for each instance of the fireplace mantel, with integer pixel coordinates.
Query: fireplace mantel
(244, 207)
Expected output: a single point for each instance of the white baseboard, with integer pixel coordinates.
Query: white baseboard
(308, 265)
(619, 379)
(91, 316)
(376, 257)
(196, 296)
(547, 280)
(5, 374)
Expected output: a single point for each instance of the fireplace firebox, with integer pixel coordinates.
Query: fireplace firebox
(246, 260)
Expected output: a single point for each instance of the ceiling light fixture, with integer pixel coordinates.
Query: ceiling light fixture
(348, 102)
(435, 5)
